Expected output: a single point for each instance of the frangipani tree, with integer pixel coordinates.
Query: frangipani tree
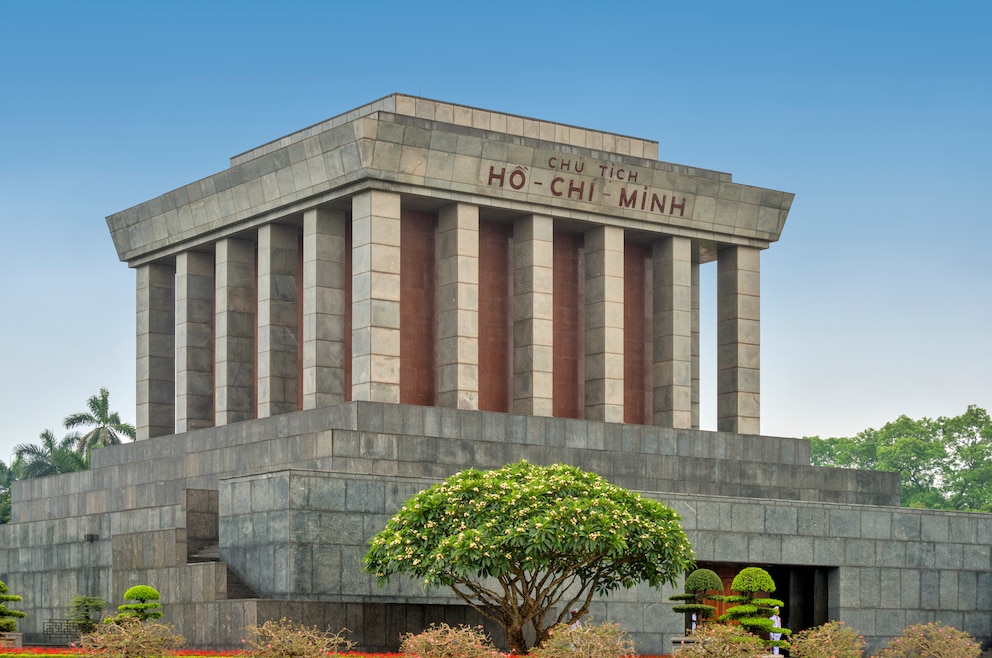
(518, 542)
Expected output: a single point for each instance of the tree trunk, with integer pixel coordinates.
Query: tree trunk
(514, 633)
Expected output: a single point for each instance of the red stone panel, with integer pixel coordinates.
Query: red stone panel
(569, 330)
(418, 310)
(495, 316)
(637, 333)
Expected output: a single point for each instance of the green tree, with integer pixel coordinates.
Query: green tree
(107, 427)
(967, 473)
(8, 474)
(518, 542)
(943, 464)
(697, 584)
(49, 457)
(147, 606)
(751, 611)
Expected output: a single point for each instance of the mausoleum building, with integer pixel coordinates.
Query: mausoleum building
(348, 314)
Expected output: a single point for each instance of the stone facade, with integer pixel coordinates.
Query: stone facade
(352, 312)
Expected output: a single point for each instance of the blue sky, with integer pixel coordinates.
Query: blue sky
(877, 115)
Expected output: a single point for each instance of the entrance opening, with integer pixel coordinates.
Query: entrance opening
(803, 589)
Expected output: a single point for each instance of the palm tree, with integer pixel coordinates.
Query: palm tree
(51, 457)
(108, 430)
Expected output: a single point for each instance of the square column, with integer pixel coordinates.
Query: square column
(533, 315)
(278, 320)
(234, 330)
(324, 282)
(194, 341)
(375, 305)
(458, 307)
(156, 356)
(672, 371)
(604, 306)
(738, 340)
(695, 346)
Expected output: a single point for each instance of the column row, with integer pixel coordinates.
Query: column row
(303, 319)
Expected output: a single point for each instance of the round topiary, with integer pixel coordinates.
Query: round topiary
(753, 579)
(702, 580)
(141, 593)
(696, 585)
(147, 606)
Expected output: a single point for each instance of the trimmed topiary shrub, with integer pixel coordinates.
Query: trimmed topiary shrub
(831, 640)
(754, 613)
(8, 617)
(932, 640)
(697, 584)
(147, 606)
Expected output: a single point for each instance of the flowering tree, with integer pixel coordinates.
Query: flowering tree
(517, 542)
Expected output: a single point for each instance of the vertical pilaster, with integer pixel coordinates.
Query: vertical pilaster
(278, 320)
(156, 343)
(194, 341)
(604, 304)
(458, 307)
(533, 313)
(738, 340)
(695, 346)
(324, 281)
(672, 266)
(375, 314)
(234, 330)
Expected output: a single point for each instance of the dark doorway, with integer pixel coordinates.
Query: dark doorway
(803, 589)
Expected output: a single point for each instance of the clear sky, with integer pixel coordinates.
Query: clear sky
(876, 302)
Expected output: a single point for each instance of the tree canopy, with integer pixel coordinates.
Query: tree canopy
(49, 457)
(52, 456)
(517, 542)
(944, 463)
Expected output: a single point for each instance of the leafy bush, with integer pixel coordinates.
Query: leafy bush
(130, 637)
(831, 640)
(443, 641)
(82, 609)
(287, 639)
(606, 640)
(8, 617)
(147, 606)
(722, 640)
(932, 640)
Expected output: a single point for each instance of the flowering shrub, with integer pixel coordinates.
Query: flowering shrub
(606, 640)
(286, 639)
(443, 641)
(932, 640)
(722, 640)
(831, 640)
(129, 637)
